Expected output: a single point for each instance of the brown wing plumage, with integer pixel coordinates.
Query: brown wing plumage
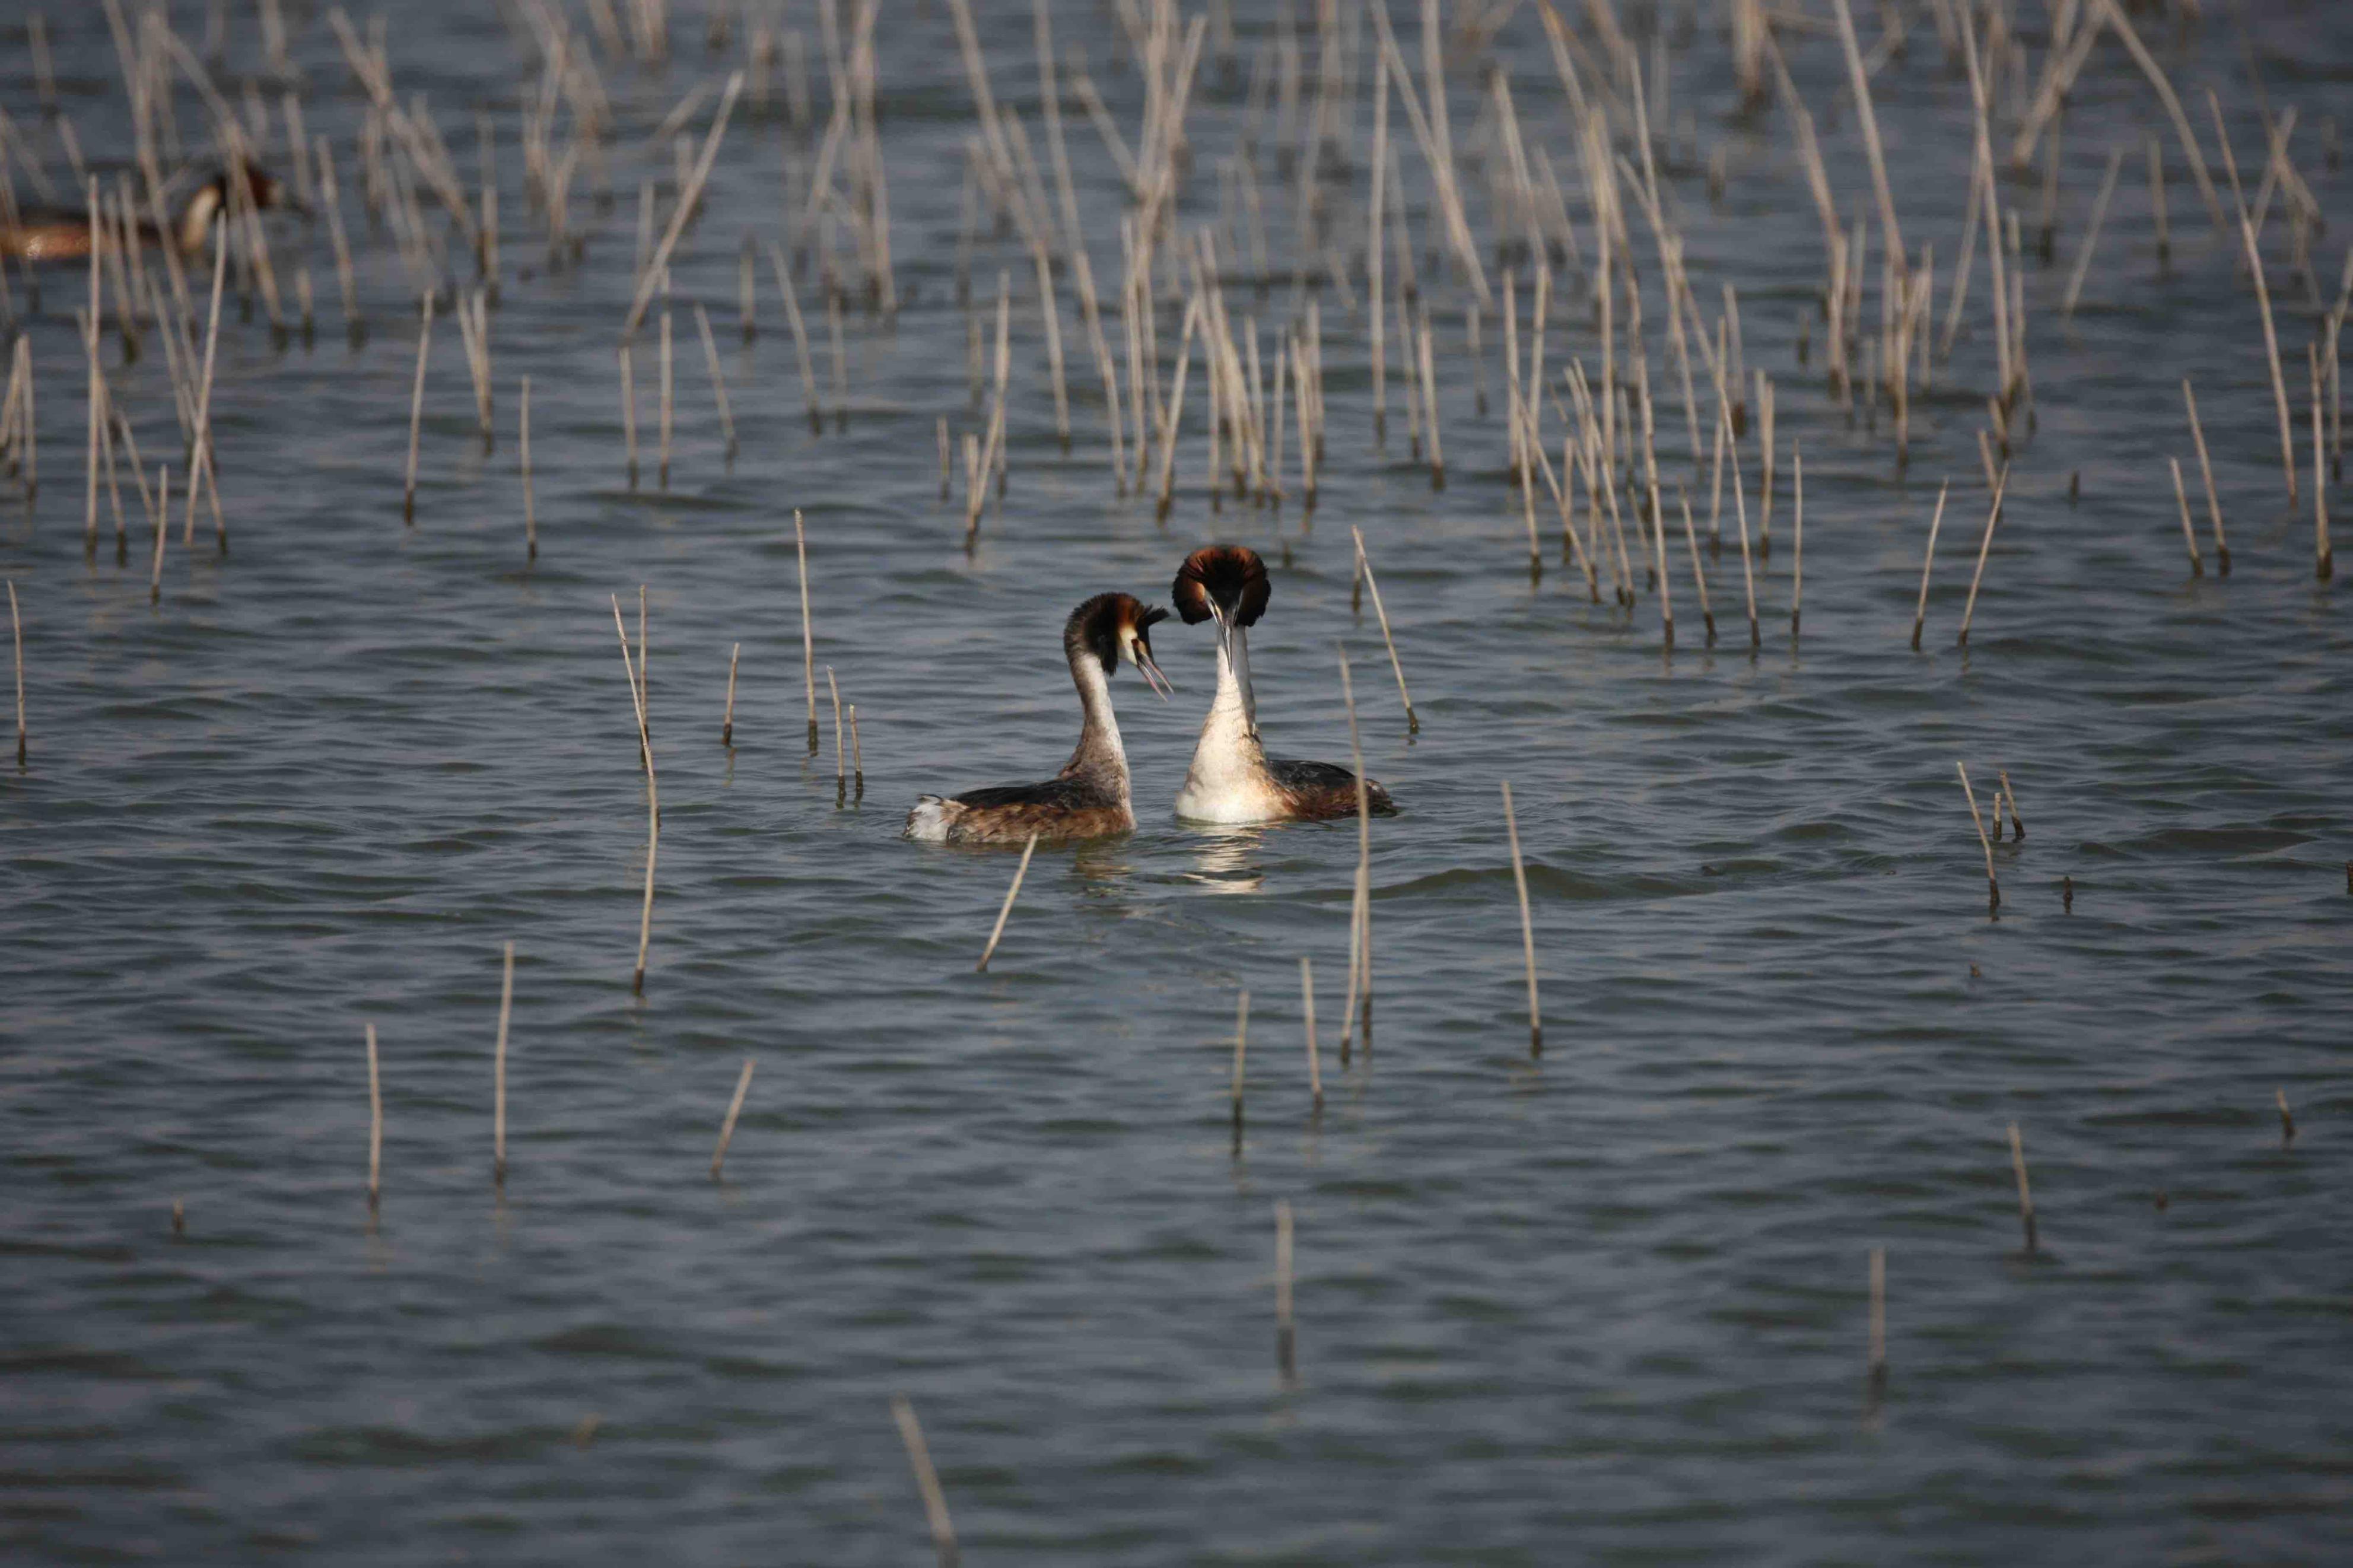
(1320, 790)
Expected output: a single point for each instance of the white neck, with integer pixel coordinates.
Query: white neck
(1099, 744)
(1228, 781)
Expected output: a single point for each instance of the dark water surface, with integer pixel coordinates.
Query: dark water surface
(1610, 1305)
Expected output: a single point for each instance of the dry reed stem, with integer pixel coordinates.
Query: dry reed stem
(1286, 1337)
(629, 413)
(652, 274)
(1985, 547)
(2155, 74)
(1365, 565)
(2092, 235)
(2025, 1197)
(841, 778)
(375, 1125)
(1010, 894)
(1796, 538)
(808, 644)
(800, 337)
(498, 1070)
(2188, 536)
(1360, 917)
(1527, 925)
(2272, 356)
(1699, 577)
(2017, 827)
(727, 720)
(1927, 562)
(1993, 887)
(162, 518)
(200, 461)
(927, 1480)
(2324, 559)
(1747, 568)
(1314, 1057)
(530, 508)
(416, 416)
(718, 379)
(2287, 1118)
(2206, 468)
(17, 633)
(727, 1128)
(633, 670)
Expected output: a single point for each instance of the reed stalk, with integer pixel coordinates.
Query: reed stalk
(718, 379)
(1175, 412)
(499, 1071)
(1796, 538)
(2017, 827)
(1365, 565)
(1699, 577)
(16, 634)
(727, 720)
(927, 1480)
(200, 458)
(727, 1126)
(2025, 1196)
(1286, 1337)
(2092, 235)
(1927, 564)
(2188, 536)
(1010, 894)
(162, 518)
(1993, 887)
(1314, 1056)
(2324, 559)
(530, 508)
(2206, 469)
(663, 419)
(2287, 1118)
(800, 337)
(629, 414)
(1747, 567)
(809, 641)
(650, 274)
(2271, 357)
(1876, 1368)
(1360, 1010)
(375, 1125)
(634, 669)
(1527, 925)
(840, 763)
(857, 759)
(1985, 546)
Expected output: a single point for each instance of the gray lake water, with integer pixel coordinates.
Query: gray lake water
(1608, 1305)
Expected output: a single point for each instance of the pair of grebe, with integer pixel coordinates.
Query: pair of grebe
(1231, 780)
(66, 236)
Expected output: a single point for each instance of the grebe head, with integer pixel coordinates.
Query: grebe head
(208, 201)
(1226, 583)
(1111, 627)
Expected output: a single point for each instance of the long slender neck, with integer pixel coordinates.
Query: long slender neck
(1228, 755)
(1100, 751)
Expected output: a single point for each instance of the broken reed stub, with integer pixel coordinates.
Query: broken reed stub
(1011, 893)
(2287, 1119)
(2025, 1194)
(727, 1128)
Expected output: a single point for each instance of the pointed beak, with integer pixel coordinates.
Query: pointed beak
(1153, 677)
(1234, 647)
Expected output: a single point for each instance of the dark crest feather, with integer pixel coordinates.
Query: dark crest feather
(1231, 576)
(1095, 625)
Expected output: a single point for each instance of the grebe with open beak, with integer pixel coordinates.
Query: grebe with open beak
(66, 236)
(1230, 780)
(1089, 798)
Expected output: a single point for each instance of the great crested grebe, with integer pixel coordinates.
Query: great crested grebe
(65, 237)
(1089, 798)
(1230, 780)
